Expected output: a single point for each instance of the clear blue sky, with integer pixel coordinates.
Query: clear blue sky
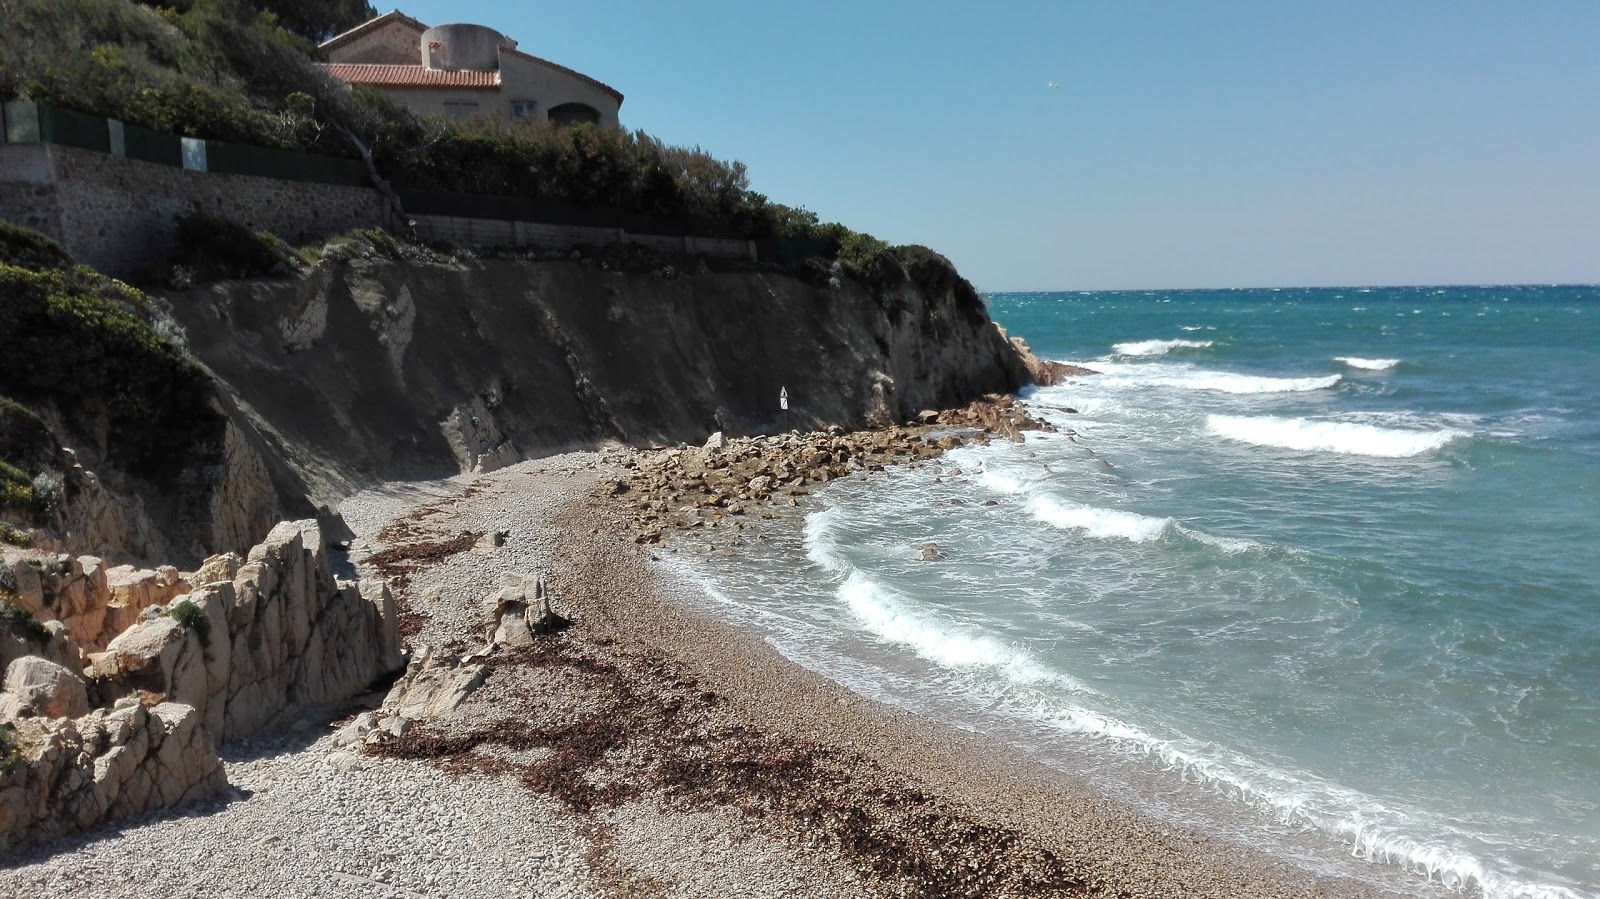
(1190, 144)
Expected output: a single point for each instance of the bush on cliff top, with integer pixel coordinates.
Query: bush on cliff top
(209, 248)
(76, 340)
(25, 248)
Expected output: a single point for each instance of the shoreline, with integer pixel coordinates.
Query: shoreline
(654, 750)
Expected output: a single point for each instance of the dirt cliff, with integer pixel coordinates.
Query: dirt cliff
(365, 370)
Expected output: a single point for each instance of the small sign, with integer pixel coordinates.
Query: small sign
(783, 398)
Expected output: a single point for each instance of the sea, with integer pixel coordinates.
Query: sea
(1317, 569)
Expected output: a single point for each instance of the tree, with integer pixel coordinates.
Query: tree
(318, 20)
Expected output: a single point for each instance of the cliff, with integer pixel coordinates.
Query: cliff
(366, 370)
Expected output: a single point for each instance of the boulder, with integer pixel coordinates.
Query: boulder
(434, 685)
(50, 690)
(931, 553)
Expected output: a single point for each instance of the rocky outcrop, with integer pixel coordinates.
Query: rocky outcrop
(373, 370)
(281, 635)
(70, 775)
(43, 688)
(217, 655)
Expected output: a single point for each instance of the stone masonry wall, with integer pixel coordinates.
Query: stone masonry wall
(117, 214)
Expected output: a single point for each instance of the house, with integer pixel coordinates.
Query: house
(465, 71)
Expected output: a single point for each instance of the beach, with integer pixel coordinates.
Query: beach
(646, 750)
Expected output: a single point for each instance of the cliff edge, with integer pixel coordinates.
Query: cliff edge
(372, 369)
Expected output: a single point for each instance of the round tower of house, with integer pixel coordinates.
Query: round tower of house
(458, 47)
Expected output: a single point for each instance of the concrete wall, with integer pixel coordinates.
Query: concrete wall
(395, 43)
(462, 46)
(118, 214)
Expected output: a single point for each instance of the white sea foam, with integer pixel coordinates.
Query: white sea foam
(1103, 524)
(1367, 364)
(1202, 379)
(1230, 546)
(821, 543)
(896, 619)
(1349, 438)
(1156, 347)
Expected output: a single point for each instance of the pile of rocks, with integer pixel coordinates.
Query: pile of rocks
(256, 639)
(674, 490)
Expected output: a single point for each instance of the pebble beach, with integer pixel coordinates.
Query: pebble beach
(644, 751)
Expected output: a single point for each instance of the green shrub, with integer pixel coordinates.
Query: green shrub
(10, 757)
(70, 345)
(18, 621)
(25, 248)
(192, 617)
(49, 494)
(209, 248)
(25, 442)
(19, 539)
(16, 489)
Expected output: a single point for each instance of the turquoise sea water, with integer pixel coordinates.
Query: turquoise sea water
(1317, 567)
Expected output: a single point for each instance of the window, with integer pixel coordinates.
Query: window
(523, 110)
(460, 109)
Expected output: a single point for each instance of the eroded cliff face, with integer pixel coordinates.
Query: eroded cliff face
(371, 370)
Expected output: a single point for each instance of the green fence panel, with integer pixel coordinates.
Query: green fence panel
(791, 249)
(285, 165)
(71, 128)
(152, 146)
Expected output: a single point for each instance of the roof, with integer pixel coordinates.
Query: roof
(369, 26)
(379, 75)
(563, 69)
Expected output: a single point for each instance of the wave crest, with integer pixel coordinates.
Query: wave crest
(1219, 381)
(1329, 436)
(1104, 524)
(1156, 347)
(1367, 364)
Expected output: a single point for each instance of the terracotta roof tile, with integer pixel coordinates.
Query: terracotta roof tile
(378, 75)
(370, 25)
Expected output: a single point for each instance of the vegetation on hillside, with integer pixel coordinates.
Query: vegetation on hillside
(244, 71)
(76, 340)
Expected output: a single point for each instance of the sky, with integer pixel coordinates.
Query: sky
(1189, 144)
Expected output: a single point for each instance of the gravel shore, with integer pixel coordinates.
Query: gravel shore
(645, 751)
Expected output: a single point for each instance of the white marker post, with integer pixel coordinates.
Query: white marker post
(783, 403)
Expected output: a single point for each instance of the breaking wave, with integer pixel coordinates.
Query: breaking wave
(1329, 436)
(1367, 364)
(1156, 347)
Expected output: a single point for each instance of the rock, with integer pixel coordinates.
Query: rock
(50, 690)
(356, 731)
(927, 416)
(433, 685)
(716, 443)
(107, 764)
(760, 483)
(490, 542)
(548, 621)
(216, 568)
(931, 553)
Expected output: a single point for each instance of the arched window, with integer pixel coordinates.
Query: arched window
(574, 114)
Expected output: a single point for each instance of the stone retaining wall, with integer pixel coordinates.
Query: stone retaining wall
(117, 214)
